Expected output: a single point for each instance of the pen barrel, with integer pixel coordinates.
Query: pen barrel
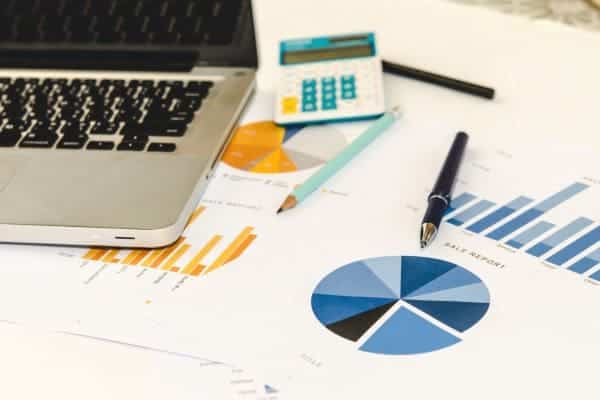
(344, 157)
(435, 211)
(447, 177)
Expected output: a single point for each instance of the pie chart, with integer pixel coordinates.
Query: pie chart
(264, 147)
(400, 305)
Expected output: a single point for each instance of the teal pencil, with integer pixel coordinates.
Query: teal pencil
(340, 160)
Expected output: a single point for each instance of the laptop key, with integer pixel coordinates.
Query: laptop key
(105, 128)
(73, 142)
(162, 147)
(100, 145)
(131, 146)
(39, 140)
(9, 138)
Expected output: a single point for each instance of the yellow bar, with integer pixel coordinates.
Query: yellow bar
(91, 253)
(166, 253)
(95, 254)
(195, 215)
(110, 257)
(198, 270)
(140, 256)
(191, 266)
(130, 257)
(238, 252)
(230, 250)
(153, 256)
(175, 257)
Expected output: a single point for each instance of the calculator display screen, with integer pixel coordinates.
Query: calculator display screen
(305, 56)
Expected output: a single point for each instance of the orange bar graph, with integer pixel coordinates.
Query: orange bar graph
(130, 257)
(95, 254)
(175, 257)
(140, 256)
(198, 270)
(238, 252)
(175, 269)
(166, 253)
(194, 263)
(111, 256)
(195, 215)
(153, 256)
(231, 249)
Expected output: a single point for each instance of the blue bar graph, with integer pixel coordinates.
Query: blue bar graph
(586, 263)
(499, 214)
(557, 238)
(575, 248)
(471, 212)
(530, 234)
(595, 276)
(459, 201)
(535, 212)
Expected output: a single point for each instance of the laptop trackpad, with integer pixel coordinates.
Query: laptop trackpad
(8, 169)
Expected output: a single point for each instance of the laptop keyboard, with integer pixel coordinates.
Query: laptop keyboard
(132, 22)
(97, 115)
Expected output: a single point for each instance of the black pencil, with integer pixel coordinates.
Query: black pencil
(440, 80)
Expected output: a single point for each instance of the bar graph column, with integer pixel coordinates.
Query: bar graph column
(595, 276)
(586, 263)
(500, 214)
(530, 234)
(557, 238)
(471, 212)
(537, 211)
(575, 248)
(459, 201)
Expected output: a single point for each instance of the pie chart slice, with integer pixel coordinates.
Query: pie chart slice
(264, 147)
(364, 302)
(407, 333)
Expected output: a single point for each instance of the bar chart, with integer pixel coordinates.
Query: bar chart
(184, 256)
(518, 225)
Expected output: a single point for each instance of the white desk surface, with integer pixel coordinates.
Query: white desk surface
(547, 75)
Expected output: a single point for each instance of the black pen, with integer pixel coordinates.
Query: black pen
(439, 199)
(440, 80)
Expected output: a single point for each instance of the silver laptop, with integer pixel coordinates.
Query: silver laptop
(113, 114)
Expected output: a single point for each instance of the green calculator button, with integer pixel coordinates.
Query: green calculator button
(309, 107)
(349, 95)
(329, 105)
(309, 98)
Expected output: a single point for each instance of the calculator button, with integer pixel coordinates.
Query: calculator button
(329, 105)
(328, 88)
(349, 95)
(289, 105)
(309, 83)
(309, 107)
(328, 81)
(309, 90)
(328, 96)
(348, 79)
(348, 86)
(309, 98)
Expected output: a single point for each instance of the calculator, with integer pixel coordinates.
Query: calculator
(326, 79)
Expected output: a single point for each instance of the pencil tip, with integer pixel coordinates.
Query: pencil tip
(280, 210)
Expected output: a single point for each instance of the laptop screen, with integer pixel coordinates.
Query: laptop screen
(214, 31)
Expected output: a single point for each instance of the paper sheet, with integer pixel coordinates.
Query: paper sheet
(259, 309)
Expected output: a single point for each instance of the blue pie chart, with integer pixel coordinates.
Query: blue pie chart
(400, 305)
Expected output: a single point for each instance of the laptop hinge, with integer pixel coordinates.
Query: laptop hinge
(94, 59)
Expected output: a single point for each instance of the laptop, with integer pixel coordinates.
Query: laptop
(113, 113)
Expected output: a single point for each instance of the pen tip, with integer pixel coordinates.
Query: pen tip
(428, 233)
